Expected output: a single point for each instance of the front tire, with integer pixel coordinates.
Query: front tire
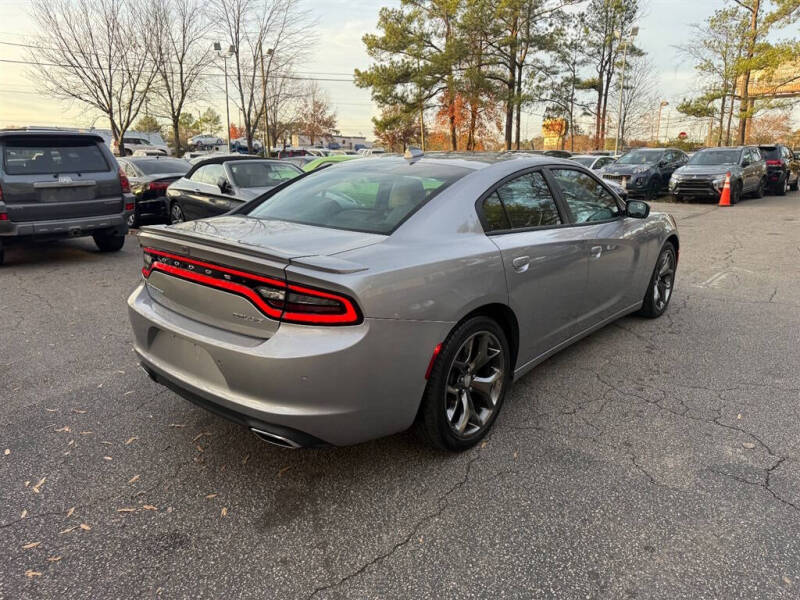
(759, 191)
(109, 242)
(662, 283)
(467, 385)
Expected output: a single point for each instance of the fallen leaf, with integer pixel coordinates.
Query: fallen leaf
(516, 454)
(169, 509)
(38, 487)
(106, 443)
(51, 409)
(79, 411)
(748, 445)
(7, 451)
(107, 458)
(27, 483)
(68, 529)
(85, 527)
(739, 416)
(224, 511)
(149, 507)
(54, 558)
(131, 439)
(199, 448)
(31, 573)
(127, 393)
(283, 470)
(483, 444)
(786, 580)
(99, 386)
(120, 371)
(133, 479)
(31, 545)
(71, 442)
(245, 459)
(87, 432)
(65, 428)
(124, 510)
(199, 435)
(70, 511)
(23, 514)
(211, 496)
(177, 425)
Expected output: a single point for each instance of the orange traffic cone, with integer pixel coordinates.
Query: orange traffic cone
(725, 196)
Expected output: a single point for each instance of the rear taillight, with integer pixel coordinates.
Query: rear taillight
(130, 206)
(3, 217)
(123, 181)
(774, 163)
(275, 298)
(157, 185)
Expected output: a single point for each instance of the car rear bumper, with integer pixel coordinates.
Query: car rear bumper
(331, 385)
(64, 227)
(152, 207)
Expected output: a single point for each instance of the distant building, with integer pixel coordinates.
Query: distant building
(344, 142)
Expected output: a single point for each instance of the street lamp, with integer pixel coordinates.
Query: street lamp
(231, 51)
(658, 122)
(626, 43)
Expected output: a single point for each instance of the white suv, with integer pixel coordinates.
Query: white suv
(132, 144)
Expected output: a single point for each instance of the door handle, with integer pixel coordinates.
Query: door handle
(596, 251)
(521, 263)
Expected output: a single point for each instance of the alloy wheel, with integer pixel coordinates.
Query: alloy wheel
(474, 384)
(176, 214)
(662, 290)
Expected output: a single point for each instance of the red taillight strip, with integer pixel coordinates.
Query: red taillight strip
(199, 263)
(350, 315)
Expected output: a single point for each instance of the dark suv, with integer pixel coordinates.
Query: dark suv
(645, 171)
(783, 168)
(704, 175)
(61, 184)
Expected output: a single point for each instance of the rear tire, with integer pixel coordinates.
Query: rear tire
(662, 284)
(133, 220)
(176, 214)
(109, 242)
(783, 185)
(2, 254)
(467, 385)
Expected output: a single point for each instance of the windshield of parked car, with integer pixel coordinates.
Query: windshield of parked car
(163, 165)
(586, 161)
(640, 157)
(374, 196)
(256, 174)
(39, 157)
(715, 157)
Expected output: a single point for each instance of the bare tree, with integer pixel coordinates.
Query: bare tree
(181, 53)
(262, 33)
(638, 97)
(94, 52)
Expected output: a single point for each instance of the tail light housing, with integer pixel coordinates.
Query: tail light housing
(157, 185)
(774, 163)
(123, 181)
(279, 300)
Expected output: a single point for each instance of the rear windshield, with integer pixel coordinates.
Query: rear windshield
(715, 157)
(36, 157)
(163, 165)
(374, 197)
(770, 153)
(256, 174)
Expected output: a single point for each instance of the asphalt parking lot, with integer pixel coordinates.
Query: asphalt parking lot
(654, 459)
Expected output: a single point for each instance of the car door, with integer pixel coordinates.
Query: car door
(613, 242)
(749, 169)
(199, 192)
(667, 167)
(544, 260)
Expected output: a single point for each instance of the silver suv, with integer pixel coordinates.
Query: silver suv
(61, 184)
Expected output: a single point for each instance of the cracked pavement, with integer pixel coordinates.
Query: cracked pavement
(654, 459)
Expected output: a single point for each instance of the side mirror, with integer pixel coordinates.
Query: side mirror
(223, 185)
(637, 209)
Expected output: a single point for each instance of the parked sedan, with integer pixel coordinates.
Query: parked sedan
(704, 175)
(312, 165)
(219, 184)
(149, 178)
(592, 161)
(366, 298)
(645, 172)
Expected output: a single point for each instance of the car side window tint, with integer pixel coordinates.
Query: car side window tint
(494, 214)
(528, 202)
(587, 199)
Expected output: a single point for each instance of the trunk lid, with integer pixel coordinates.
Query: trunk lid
(58, 177)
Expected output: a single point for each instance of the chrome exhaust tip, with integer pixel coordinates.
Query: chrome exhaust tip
(274, 439)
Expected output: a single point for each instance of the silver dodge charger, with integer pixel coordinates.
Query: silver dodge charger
(357, 301)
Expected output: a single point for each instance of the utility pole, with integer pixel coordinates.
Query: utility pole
(231, 52)
(658, 122)
(627, 42)
(267, 145)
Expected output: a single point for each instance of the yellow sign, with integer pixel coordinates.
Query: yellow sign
(783, 81)
(554, 128)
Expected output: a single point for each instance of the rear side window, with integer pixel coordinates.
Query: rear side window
(256, 174)
(36, 157)
(528, 202)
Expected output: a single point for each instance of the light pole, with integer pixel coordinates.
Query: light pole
(658, 122)
(228, 54)
(634, 33)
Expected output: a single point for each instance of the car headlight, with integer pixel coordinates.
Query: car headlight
(718, 181)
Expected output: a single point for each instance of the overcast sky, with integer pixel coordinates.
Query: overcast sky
(334, 54)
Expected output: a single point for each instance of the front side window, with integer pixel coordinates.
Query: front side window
(369, 197)
(587, 199)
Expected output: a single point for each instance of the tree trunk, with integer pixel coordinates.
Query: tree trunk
(730, 119)
(518, 102)
(746, 105)
(473, 119)
(176, 135)
(598, 109)
(722, 113)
